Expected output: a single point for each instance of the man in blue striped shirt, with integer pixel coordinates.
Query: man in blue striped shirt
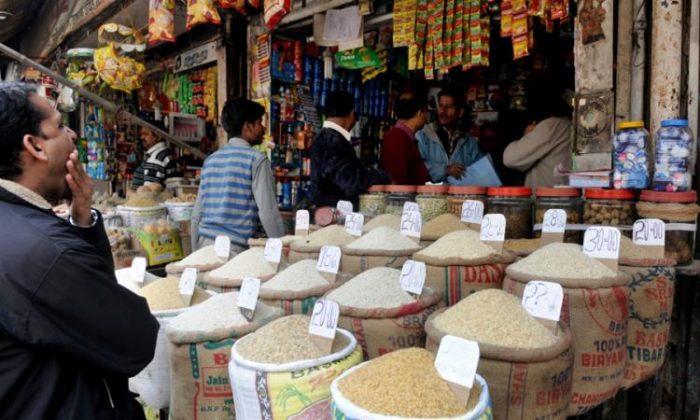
(237, 187)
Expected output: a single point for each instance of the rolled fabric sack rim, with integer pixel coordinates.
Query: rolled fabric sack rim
(270, 294)
(428, 298)
(380, 253)
(571, 283)
(505, 257)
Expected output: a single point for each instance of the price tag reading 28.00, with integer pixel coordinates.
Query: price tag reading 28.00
(603, 244)
(412, 277)
(323, 324)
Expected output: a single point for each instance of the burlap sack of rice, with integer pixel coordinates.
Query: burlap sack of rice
(308, 248)
(286, 243)
(200, 344)
(521, 247)
(595, 308)
(382, 247)
(296, 288)
(387, 220)
(249, 263)
(651, 306)
(459, 264)
(380, 314)
(441, 226)
(528, 367)
(203, 259)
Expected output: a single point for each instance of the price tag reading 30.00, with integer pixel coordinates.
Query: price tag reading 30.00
(412, 277)
(603, 244)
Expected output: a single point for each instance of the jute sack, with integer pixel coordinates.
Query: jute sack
(651, 306)
(296, 256)
(455, 282)
(344, 409)
(597, 313)
(356, 264)
(200, 386)
(380, 331)
(524, 383)
(202, 260)
(299, 302)
(295, 391)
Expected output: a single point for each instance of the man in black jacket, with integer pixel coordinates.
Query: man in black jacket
(70, 335)
(336, 171)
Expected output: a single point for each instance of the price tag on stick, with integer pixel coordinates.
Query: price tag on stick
(543, 300)
(456, 362)
(323, 324)
(342, 210)
(472, 213)
(222, 246)
(273, 252)
(188, 280)
(412, 277)
(248, 297)
(329, 262)
(138, 270)
(411, 225)
(603, 244)
(650, 233)
(303, 223)
(410, 206)
(493, 230)
(354, 222)
(553, 226)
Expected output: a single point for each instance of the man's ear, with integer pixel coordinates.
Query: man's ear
(35, 147)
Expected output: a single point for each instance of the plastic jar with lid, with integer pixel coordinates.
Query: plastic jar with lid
(516, 205)
(679, 211)
(674, 150)
(631, 151)
(397, 196)
(373, 202)
(609, 207)
(432, 201)
(567, 199)
(458, 195)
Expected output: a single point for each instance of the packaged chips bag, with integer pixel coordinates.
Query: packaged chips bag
(237, 5)
(120, 73)
(200, 12)
(161, 21)
(275, 10)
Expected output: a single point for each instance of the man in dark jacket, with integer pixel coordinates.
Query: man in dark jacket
(336, 171)
(70, 335)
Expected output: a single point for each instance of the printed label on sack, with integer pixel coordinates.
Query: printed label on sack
(222, 246)
(248, 297)
(472, 212)
(329, 262)
(302, 223)
(411, 224)
(188, 279)
(412, 277)
(343, 209)
(273, 251)
(543, 300)
(410, 206)
(138, 269)
(650, 233)
(603, 244)
(553, 226)
(354, 222)
(324, 323)
(493, 230)
(456, 362)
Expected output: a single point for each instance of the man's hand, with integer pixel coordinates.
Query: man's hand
(81, 188)
(456, 171)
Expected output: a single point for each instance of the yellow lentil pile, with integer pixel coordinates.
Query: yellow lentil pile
(164, 294)
(494, 317)
(285, 340)
(405, 383)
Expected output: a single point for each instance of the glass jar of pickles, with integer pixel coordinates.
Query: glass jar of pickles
(516, 205)
(373, 202)
(397, 196)
(567, 199)
(458, 195)
(432, 201)
(609, 207)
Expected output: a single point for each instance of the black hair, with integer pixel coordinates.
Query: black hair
(19, 116)
(454, 93)
(544, 99)
(408, 104)
(339, 104)
(239, 111)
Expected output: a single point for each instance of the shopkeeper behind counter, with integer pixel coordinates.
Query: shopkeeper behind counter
(158, 162)
(336, 171)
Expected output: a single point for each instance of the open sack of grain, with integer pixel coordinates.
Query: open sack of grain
(125, 279)
(459, 264)
(441, 226)
(309, 247)
(527, 366)
(390, 221)
(521, 247)
(278, 373)
(203, 259)
(404, 385)
(651, 306)
(200, 341)
(382, 247)
(163, 298)
(286, 243)
(249, 263)
(296, 288)
(595, 308)
(380, 314)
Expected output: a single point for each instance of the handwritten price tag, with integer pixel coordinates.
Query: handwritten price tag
(412, 277)
(456, 362)
(603, 244)
(543, 300)
(411, 206)
(342, 210)
(324, 323)
(138, 269)
(329, 262)
(354, 222)
(302, 223)
(188, 280)
(649, 232)
(553, 226)
(411, 224)
(273, 251)
(248, 297)
(493, 230)
(222, 246)
(472, 212)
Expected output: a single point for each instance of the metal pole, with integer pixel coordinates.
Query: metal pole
(107, 105)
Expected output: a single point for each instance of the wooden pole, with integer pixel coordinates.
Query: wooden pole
(623, 61)
(638, 60)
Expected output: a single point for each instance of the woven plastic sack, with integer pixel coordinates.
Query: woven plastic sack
(161, 21)
(295, 391)
(120, 73)
(200, 12)
(455, 282)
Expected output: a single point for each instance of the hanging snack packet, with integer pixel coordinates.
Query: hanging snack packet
(275, 10)
(506, 21)
(520, 49)
(237, 5)
(520, 27)
(200, 12)
(161, 21)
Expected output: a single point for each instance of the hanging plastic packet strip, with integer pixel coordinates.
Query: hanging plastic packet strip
(448, 35)
(200, 12)
(520, 48)
(458, 51)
